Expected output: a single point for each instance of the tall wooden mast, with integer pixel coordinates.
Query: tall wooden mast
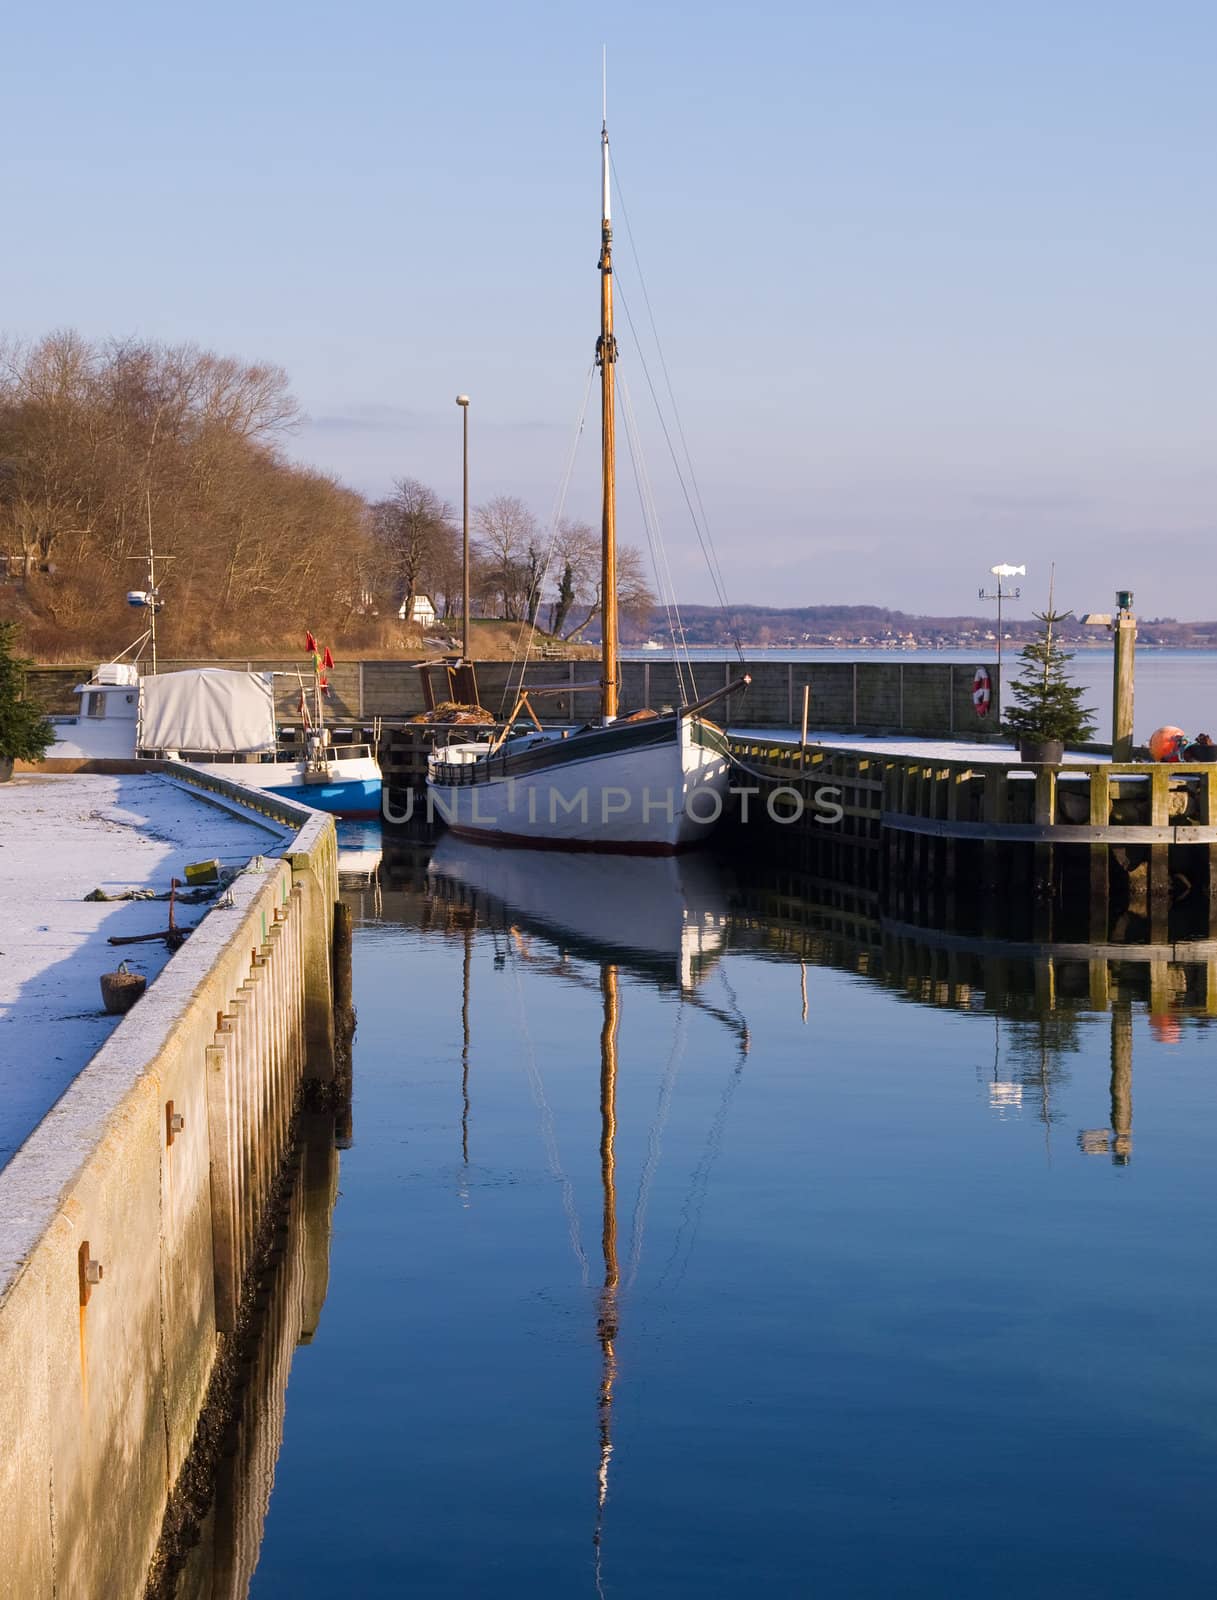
(606, 356)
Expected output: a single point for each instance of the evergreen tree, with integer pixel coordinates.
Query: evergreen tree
(566, 599)
(25, 733)
(1047, 705)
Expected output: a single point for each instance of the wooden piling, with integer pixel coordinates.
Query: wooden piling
(224, 1160)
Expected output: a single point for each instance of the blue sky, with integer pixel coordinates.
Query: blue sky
(935, 281)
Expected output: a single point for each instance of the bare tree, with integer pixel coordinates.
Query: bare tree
(634, 597)
(414, 529)
(92, 435)
(506, 529)
(579, 577)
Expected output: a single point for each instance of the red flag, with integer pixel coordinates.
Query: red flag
(323, 684)
(310, 644)
(327, 659)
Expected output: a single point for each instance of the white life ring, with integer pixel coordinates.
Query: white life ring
(982, 692)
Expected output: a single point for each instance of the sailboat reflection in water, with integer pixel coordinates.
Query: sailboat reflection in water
(663, 923)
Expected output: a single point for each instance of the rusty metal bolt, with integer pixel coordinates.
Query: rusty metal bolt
(89, 1271)
(174, 1122)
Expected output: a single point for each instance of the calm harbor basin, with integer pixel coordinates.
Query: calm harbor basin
(694, 1240)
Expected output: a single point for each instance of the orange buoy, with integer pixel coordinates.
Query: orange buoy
(1166, 743)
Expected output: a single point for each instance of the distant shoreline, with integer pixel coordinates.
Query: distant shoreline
(984, 649)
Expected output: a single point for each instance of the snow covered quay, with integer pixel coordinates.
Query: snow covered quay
(138, 1154)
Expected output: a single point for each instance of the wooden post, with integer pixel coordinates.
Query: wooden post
(224, 1157)
(1159, 887)
(242, 1114)
(994, 808)
(1099, 971)
(280, 965)
(1208, 819)
(956, 780)
(1100, 865)
(1121, 1084)
(314, 913)
(1125, 630)
(1044, 890)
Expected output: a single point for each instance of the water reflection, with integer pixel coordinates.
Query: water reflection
(663, 921)
(664, 918)
(670, 921)
(853, 1153)
(287, 1309)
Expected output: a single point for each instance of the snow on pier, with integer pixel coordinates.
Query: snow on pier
(60, 838)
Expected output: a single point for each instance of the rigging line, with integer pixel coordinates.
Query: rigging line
(548, 1132)
(559, 506)
(555, 518)
(658, 544)
(656, 566)
(713, 553)
(699, 1183)
(659, 563)
(676, 627)
(715, 574)
(710, 553)
(654, 1147)
(663, 361)
(784, 780)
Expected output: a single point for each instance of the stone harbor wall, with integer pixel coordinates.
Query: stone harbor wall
(930, 698)
(127, 1217)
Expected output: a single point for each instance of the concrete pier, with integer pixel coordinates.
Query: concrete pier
(128, 1213)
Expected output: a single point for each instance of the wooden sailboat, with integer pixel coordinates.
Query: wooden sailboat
(644, 783)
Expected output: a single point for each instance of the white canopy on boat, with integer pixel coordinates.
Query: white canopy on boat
(207, 709)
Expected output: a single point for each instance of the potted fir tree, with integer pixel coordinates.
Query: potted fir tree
(1048, 713)
(25, 733)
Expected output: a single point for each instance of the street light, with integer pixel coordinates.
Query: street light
(462, 400)
(1002, 570)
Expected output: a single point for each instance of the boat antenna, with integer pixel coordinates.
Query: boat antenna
(151, 576)
(606, 356)
(151, 600)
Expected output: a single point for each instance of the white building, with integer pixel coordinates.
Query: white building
(422, 614)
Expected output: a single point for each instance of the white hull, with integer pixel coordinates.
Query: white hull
(648, 787)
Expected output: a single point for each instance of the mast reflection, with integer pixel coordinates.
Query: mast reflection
(606, 1320)
(660, 921)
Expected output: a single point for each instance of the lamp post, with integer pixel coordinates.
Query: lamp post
(1002, 570)
(462, 400)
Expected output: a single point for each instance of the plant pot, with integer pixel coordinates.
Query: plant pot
(1041, 752)
(6, 768)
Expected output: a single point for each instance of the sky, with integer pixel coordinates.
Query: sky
(933, 280)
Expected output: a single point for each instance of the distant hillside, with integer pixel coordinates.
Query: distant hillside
(877, 626)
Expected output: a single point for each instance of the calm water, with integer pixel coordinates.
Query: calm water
(686, 1250)
(1172, 686)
